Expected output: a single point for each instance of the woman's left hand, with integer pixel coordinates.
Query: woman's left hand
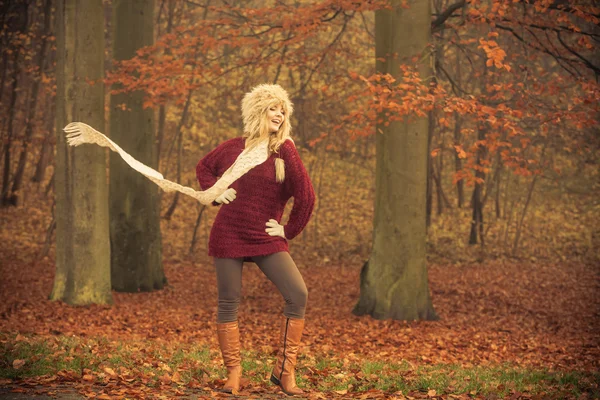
(274, 229)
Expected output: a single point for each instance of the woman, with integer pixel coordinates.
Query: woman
(247, 226)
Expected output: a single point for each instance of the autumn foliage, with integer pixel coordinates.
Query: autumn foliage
(513, 106)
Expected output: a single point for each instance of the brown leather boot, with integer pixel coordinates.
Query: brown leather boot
(229, 341)
(283, 373)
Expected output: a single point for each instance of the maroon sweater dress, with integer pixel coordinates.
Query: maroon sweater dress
(239, 228)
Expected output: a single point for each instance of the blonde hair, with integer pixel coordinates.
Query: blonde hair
(256, 126)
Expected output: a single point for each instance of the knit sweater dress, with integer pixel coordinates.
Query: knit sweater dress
(239, 228)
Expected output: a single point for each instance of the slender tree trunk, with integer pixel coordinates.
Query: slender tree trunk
(394, 283)
(4, 43)
(20, 172)
(196, 226)
(3, 76)
(497, 184)
(319, 204)
(477, 199)
(162, 112)
(494, 187)
(82, 245)
(429, 194)
(460, 190)
(136, 257)
(46, 150)
(441, 196)
(437, 177)
(179, 139)
(8, 137)
(526, 206)
(497, 197)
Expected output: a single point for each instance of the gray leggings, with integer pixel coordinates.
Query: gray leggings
(278, 267)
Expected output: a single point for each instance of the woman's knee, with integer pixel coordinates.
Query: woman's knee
(299, 295)
(296, 302)
(229, 293)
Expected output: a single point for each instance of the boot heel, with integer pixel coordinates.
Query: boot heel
(275, 381)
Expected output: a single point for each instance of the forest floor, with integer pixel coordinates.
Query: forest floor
(512, 330)
(507, 329)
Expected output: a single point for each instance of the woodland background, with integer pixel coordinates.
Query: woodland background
(512, 202)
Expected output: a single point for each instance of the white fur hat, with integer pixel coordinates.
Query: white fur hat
(256, 102)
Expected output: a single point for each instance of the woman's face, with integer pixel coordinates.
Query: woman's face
(275, 117)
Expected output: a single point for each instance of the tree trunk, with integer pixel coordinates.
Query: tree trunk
(441, 195)
(45, 152)
(519, 227)
(477, 199)
(82, 245)
(460, 185)
(11, 24)
(179, 140)
(196, 226)
(162, 112)
(429, 191)
(394, 283)
(20, 25)
(18, 179)
(136, 256)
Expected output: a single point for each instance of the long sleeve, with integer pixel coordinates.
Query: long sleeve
(212, 165)
(300, 187)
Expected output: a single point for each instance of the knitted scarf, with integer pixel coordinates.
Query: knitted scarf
(79, 133)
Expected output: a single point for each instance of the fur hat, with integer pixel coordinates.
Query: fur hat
(256, 102)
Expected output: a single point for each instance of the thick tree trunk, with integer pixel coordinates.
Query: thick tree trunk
(82, 245)
(18, 179)
(394, 283)
(136, 256)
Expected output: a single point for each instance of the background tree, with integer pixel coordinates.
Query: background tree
(33, 101)
(82, 245)
(136, 250)
(523, 71)
(16, 18)
(394, 281)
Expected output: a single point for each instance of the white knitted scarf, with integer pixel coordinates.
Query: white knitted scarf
(79, 133)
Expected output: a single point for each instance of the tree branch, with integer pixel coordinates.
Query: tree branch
(576, 54)
(439, 21)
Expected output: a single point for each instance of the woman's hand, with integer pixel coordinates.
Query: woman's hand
(274, 229)
(227, 196)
